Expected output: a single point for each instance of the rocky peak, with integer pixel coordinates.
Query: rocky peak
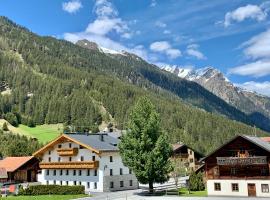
(87, 44)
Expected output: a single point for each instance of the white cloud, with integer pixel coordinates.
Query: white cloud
(72, 6)
(153, 3)
(167, 32)
(259, 68)
(165, 47)
(258, 46)
(259, 87)
(255, 12)
(160, 24)
(193, 50)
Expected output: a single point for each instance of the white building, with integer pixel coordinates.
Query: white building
(92, 160)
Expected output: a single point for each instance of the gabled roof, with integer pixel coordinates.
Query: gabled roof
(266, 139)
(255, 140)
(11, 164)
(177, 146)
(98, 143)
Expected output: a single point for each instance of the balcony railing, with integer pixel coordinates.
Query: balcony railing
(67, 151)
(69, 165)
(256, 160)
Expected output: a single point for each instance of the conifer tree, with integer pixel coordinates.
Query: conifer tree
(145, 148)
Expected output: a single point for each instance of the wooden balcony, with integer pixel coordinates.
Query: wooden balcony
(67, 151)
(256, 160)
(70, 165)
(239, 177)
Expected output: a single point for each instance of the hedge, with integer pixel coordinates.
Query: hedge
(51, 189)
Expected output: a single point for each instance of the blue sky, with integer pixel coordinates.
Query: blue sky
(233, 37)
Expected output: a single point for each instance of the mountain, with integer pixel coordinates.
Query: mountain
(55, 81)
(255, 105)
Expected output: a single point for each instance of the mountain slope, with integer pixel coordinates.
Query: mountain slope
(55, 81)
(255, 105)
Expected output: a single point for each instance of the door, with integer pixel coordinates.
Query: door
(251, 190)
(29, 176)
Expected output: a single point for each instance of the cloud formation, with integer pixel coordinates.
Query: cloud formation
(255, 12)
(193, 50)
(257, 49)
(72, 6)
(259, 87)
(166, 48)
(153, 3)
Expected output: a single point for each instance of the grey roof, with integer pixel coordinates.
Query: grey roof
(94, 140)
(258, 141)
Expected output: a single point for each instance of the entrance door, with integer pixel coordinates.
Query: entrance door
(29, 176)
(251, 190)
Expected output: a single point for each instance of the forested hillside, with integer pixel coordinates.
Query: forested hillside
(54, 81)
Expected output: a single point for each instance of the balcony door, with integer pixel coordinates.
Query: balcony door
(251, 190)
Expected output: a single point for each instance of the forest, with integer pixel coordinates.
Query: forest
(55, 81)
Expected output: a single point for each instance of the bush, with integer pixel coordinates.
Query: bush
(5, 127)
(51, 189)
(196, 182)
(12, 119)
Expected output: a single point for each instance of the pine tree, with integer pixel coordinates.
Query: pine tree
(145, 148)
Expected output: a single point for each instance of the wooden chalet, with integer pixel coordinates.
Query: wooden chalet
(19, 169)
(239, 168)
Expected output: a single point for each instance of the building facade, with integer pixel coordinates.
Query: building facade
(19, 169)
(92, 160)
(189, 157)
(239, 168)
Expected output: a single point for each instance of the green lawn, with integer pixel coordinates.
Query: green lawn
(45, 197)
(184, 192)
(44, 133)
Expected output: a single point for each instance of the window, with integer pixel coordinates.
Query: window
(54, 172)
(70, 159)
(111, 172)
(67, 172)
(88, 172)
(74, 172)
(111, 185)
(47, 172)
(217, 187)
(111, 159)
(93, 158)
(47, 182)
(265, 188)
(191, 160)
(95, 185)
(235, 187)
(74, 183)
(61, 183)
(82, 158)
(54, 182)
(130, 171)
(121, 171)
(95, 174)
(61, 172)
(49, 152)
(130, 183)
(88, 184)
(263, 171)
(59, 159)
(80, 183)
(70, 145)
(190, 152)
(66, 182)
(59, 146)
(80, 172)
(81, 147)
(233, 171)
(49, 159)
(121, 183)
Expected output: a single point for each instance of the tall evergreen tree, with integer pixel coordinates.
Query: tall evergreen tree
(145, 148)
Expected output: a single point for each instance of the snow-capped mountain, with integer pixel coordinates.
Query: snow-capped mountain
(213, 80)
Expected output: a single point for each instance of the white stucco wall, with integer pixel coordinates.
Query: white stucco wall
(104, 168)
(226, 187)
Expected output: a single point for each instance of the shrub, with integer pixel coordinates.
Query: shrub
(51, 189)
(5, 127)
(12, 119)
(196, 182)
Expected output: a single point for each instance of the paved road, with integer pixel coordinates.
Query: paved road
(136, 195)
